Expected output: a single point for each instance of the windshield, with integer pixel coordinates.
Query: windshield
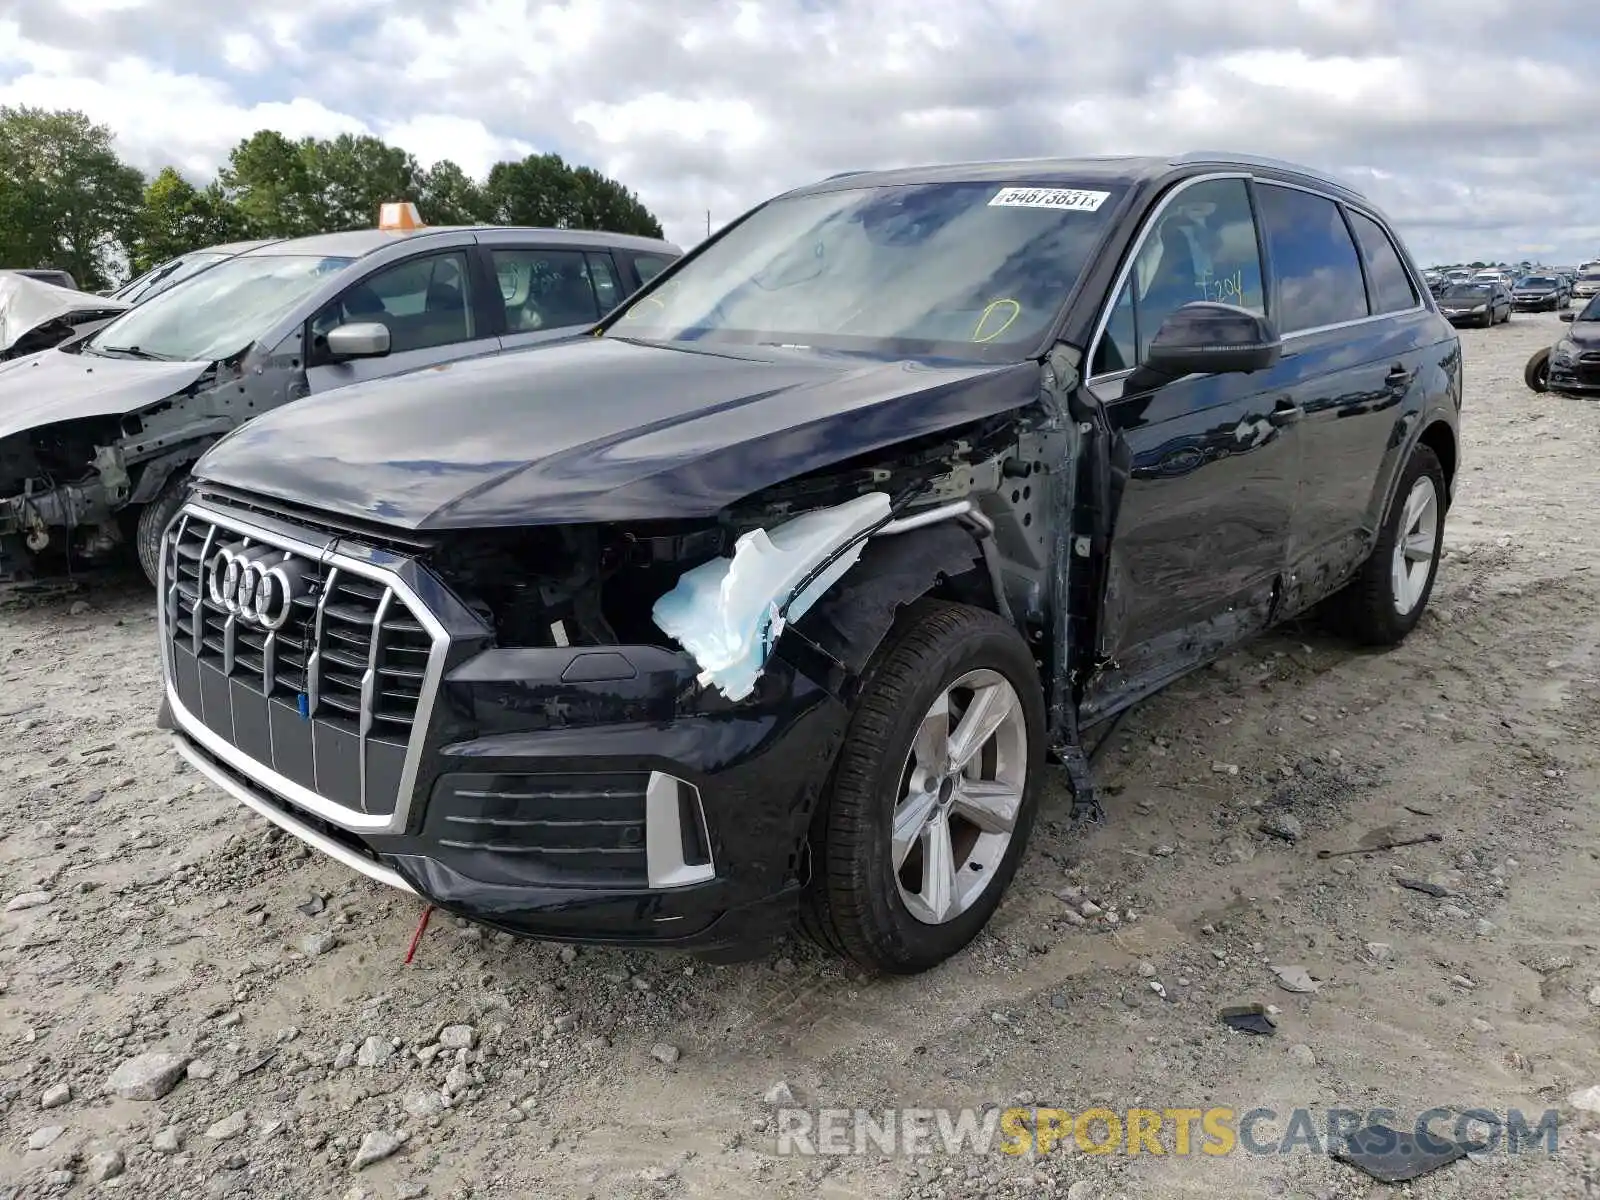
(219, 312)
(159, 279)
(1590, 276)
(1536, 281)
(1591, 311)
(967, 270)
(1476, 292)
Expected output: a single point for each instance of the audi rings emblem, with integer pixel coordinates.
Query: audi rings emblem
(256, 584)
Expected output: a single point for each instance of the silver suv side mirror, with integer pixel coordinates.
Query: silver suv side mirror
(359, 339)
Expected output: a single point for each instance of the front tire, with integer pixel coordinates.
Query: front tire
(153, 521)
(1537, 373)
(933, 794)
(1386, 599)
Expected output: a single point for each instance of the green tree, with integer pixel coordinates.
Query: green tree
(349, 177)
(179, 217)
(543, 190)
(267, 183)
(447, 195)
(66, 199)
(603, 203)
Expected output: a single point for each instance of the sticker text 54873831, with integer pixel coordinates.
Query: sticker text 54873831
(1071, 199)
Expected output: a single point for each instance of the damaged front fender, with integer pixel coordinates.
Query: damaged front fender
(729, 612)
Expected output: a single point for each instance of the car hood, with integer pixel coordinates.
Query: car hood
(1585, 333)
(599, 429)
(27, 303)
(56, 386)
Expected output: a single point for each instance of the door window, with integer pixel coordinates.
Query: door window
(607, 288)
(1202, 247)
(1318, 270)
(545, 289)
(649, 266)
(1390, 282)
(424, 302)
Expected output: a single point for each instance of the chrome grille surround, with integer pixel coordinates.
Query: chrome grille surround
(350, 704)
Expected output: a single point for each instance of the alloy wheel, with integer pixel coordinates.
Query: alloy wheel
(1416, 545)
(961, 791)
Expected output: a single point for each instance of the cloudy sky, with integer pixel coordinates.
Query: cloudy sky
(1475, 122)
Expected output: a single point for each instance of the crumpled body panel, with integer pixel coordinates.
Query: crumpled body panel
(27, 303)
(729, 612)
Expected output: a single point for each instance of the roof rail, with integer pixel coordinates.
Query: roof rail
(1260, 160)
(844, 174)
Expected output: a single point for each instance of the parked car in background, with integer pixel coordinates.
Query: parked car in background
(1574, 363)
(1587, 284)
(50, 275)
(775, 591)
(96, 436)
(36, 314)
(1478, 303)
(1535, 293)
(174, 271)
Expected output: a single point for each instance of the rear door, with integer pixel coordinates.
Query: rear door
(551, 292)
(1355, 326)
(1208, 472)
(432, 306)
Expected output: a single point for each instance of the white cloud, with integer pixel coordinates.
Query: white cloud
(1462, 116)
(244, 52)
(433, 136)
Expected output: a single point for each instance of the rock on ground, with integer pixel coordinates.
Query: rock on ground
(377, 1146)
(148, 1076)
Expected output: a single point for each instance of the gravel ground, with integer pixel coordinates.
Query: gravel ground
(301, 1047)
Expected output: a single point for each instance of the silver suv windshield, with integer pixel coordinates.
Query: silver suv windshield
(965, 270)
(167, 275)
(217, 313)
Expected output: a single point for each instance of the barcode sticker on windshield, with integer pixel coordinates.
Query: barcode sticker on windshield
(1071, 199)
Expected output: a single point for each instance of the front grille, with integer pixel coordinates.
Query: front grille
(329, 699)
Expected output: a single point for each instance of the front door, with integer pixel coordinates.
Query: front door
(430, 307)
(1209, 467)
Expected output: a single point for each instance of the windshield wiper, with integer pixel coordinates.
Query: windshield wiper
(134, 352)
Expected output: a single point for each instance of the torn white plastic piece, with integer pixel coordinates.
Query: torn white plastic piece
(726, 612)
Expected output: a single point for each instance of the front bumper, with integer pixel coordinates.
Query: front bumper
(582, 794)
(1578, 379)
(1535, 303)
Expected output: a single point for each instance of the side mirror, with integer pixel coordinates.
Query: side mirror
(1207, 338)
(359, 339)
(1568, 317)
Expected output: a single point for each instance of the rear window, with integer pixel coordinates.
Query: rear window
(1319, 273)
(649, 266)
(1392, 289)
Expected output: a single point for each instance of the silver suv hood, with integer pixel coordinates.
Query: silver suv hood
(56, 386)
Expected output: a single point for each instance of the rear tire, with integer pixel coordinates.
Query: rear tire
(961, 834)
(1537, 373)
(153, 521)
(1386, 599)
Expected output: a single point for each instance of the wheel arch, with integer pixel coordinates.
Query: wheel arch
(855, 617)
(154, 474)
(1441, 439)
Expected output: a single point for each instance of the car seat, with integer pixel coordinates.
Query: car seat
(1174, 284)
